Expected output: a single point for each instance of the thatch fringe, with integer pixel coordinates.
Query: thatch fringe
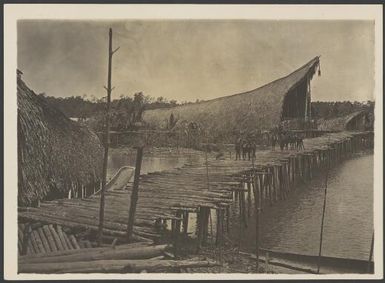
(54, 153)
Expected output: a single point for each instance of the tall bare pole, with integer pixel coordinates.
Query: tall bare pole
(323, 215)
(107, 140)
(134, 194)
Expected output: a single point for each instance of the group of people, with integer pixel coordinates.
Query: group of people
(287, 140)
(245, 148)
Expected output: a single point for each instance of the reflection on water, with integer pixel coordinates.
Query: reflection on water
(120, 158)
(293, 225)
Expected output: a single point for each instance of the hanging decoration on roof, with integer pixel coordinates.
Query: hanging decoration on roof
(319, 69)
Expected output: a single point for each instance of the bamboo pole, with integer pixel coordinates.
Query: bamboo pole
(134, 194)
(107, 140)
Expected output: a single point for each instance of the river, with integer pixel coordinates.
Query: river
(293, 225)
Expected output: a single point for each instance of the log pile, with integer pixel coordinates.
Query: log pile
(41, 239)
(136, 257)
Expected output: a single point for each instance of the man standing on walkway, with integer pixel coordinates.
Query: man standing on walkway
(238, 144)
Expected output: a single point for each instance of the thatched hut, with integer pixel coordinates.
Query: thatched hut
(356, 121)
(55, 155)
(264, 108)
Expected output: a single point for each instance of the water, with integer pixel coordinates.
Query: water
(293, 225)
(121, 157)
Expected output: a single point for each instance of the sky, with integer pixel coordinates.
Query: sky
(187, 60)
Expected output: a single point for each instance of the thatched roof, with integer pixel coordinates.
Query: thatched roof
(53, 151)
(260, 108)
(339, 123)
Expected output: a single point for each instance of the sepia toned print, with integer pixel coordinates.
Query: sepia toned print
(196, 146)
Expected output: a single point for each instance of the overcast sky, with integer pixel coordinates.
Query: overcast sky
(189, 60)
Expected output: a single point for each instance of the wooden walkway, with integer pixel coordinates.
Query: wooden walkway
(171, 194)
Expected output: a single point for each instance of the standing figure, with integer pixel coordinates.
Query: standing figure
(244, 149)
(299, 143)
(274, 140)
(253, 148)
(238, 149)
(282, 141)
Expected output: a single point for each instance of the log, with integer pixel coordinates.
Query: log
(56, 238)
(44, 240)
(40, 242)
(79, 251)
(50, 239)
(37, 245)
(74, 242)
(122, 266)
(109, 253)
(68, 242)
(61, 236)
(70, 223)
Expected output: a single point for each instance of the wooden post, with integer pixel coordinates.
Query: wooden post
(269, 178)
(267, 262)
(207, 164)
(205, 223)
(219, 230)
(248, 199)
(244, 209)
(211, 227)
(221, 236)
(227, 219)
(185, 222)
(240, 220)
(107, 141)
(199, 229)
(174, 236)
(134, 193)
(256, 203)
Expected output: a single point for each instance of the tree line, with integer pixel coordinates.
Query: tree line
(328, 110)
(126, 111)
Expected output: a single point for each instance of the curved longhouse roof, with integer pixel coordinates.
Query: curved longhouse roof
(54, 152)
(260, 108)
(339, 123)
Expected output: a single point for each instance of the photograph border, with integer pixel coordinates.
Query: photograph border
(15, 12)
